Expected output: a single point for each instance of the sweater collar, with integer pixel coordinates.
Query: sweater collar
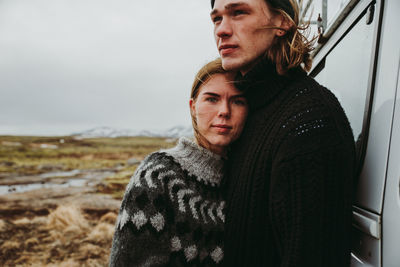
(262, 83)
(198, 161)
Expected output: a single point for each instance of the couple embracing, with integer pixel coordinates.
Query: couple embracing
(267, 180)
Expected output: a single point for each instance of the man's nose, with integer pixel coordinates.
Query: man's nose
(223, 29)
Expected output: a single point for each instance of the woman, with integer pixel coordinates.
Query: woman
(172, 211)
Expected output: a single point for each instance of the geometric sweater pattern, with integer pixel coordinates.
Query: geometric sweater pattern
(172, 212)
(290, 175)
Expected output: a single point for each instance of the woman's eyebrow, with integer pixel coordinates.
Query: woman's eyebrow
(210, 93)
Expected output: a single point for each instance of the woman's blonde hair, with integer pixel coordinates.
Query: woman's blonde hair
(293, 48)
(202, 76)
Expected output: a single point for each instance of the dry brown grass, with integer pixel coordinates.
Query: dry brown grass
(67, 218)
(2, 225)
(22, 221)
(109, 217)
(9, 247)
(66, 237)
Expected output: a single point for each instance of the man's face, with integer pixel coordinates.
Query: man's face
(239, 33)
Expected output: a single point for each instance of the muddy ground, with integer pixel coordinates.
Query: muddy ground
(57, 226)
(59, 196)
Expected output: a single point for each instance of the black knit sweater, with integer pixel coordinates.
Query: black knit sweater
(172, 213)
(289, 181)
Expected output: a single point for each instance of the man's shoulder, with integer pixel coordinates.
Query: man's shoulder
(312, 112)
(306, 88)
(305, 94)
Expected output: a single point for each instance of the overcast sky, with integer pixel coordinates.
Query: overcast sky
(70, 65)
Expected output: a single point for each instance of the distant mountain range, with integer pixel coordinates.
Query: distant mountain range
(173, 132)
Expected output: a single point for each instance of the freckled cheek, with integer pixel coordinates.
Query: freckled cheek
(205, 112)
(205, 117)
(206, 109)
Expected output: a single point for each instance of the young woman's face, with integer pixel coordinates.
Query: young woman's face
(220, 111)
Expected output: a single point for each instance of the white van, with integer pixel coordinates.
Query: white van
(359, 62)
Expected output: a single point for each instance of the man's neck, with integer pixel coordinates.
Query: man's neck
(248, 67)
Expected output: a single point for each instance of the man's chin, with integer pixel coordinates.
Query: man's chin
(229, 64)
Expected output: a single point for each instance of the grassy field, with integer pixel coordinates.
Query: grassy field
(23, 154)
(27, 155)
(65, 227)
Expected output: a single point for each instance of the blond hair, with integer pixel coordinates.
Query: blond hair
(293, 49)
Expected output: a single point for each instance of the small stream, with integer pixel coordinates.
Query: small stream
(77, 178)
(7, 189)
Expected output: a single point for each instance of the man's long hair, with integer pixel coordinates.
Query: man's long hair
(293, 49)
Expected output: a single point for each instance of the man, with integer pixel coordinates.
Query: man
(289, 182)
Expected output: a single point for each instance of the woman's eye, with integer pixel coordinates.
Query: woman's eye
(240, 102)
(212, 99)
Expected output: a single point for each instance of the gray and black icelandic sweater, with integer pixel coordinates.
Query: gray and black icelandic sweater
(172, 213)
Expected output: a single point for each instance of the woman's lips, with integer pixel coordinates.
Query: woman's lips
(222, 128)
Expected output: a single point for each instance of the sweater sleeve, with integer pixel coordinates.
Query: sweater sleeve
(142, 233)
(311, 202)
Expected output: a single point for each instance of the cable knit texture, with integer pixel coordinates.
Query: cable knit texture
(172, 213)
(289, 175)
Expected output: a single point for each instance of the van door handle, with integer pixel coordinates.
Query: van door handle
(368, 225)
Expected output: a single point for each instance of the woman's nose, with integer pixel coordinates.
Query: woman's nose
(224, 110)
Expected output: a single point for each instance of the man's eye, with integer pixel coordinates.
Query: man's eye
(238, 12)
(216, 19)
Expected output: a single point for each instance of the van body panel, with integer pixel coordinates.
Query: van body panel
(351, 77)
(366, 239)
(371, 187)
(391, 207)
(343, 64)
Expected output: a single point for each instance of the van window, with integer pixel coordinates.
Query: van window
(345, 71)
(328, 10)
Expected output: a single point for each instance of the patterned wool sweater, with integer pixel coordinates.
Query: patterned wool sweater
(172, 213)
(290, 174)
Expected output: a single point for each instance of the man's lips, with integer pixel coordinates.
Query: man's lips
(227, 49)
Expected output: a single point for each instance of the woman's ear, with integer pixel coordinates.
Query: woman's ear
(192, 105)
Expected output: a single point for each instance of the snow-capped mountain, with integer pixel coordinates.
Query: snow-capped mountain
(174, 132)
(179, 131)
(105, 132)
